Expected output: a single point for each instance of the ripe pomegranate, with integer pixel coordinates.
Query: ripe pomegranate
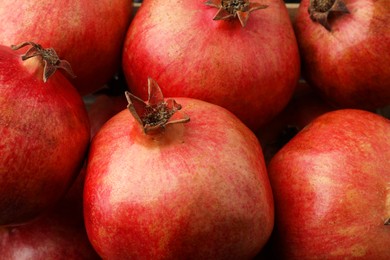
(332, 189)
(88, 34)
(157, 188)
(196, 50)
(345, 50)
(44, 132)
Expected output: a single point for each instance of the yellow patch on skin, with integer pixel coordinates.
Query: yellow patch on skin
(356, 250)
(348, 231)
(387, 203)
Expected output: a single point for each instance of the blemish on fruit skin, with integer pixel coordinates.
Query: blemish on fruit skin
(358, 251)
(354, 251)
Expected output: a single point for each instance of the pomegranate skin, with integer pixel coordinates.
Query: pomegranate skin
(331, 189)
(197, 191)
(250, 71)
(350, 64)
(58, 234)
(88, 34)
(44, 131)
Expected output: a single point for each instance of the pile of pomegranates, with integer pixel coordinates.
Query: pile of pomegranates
(197, 129)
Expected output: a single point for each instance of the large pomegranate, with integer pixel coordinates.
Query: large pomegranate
(196, 50)
(345, 47)
(88, 34)
(170, 190)
(44, 133)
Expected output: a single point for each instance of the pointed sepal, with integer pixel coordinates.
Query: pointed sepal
(229, 9)
(49, 56)
(243, 17)
(155, 95)
(213, 3)
(155, 114)
(222, 14)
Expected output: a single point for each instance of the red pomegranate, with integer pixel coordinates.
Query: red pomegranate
(196, 50)
(345, 50)
(88, 34)
(331, 186)
(44, 132)
(157, 188)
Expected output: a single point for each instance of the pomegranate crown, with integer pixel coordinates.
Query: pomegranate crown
(156, 113)
(49, 56)
(229, 9)
(319, 11)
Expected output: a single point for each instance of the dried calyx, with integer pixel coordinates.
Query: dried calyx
(155, 114)
(229, 9)
(319, 10)
(49, 56)
(387, 222)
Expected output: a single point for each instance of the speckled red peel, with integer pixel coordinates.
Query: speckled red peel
(45, 122)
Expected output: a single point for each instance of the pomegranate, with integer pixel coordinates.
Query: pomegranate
(216, 52)
(59, 233)
(161, 186)
(88, 34)
(332, 189)
(345, 50)
(44, 132)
